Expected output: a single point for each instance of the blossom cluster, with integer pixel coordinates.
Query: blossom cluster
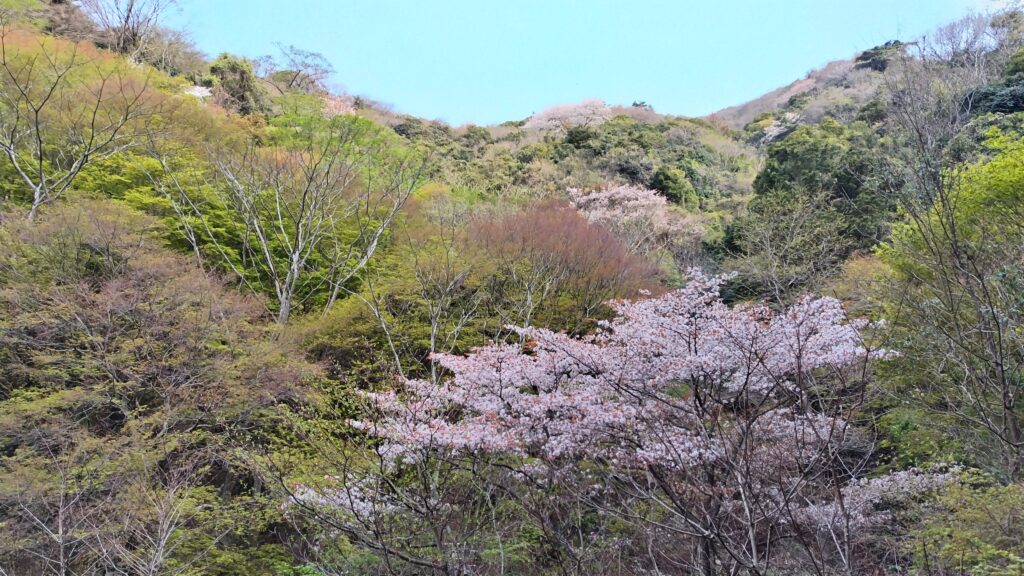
(562, 116)
(638, 216)
(362, 499)
(337, 106)
(868, 502)
(641, 218)
(632, 392)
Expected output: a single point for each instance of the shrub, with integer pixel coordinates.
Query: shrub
(237, 86)
(675, 186)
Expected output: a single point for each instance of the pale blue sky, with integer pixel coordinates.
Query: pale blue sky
(486, 61)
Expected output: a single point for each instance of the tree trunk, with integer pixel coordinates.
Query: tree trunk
(284, 311)
(36, 203)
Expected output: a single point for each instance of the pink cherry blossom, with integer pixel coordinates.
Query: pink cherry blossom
(707, 424)
(563, 116)
(627, 392)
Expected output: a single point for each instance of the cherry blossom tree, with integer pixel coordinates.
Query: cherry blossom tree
(637, 215)
(564, 116)
(717, 432)
(843, 525)
(337, 106)
(642, 219)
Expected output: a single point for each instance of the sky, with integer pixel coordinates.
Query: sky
(488, 61)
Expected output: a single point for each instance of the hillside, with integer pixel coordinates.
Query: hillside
(838, 90)
(251, 326)
(816, 81)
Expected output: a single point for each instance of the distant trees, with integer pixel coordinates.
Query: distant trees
(931, 91)
(675, 186)
(878, 58)
(62, 106)
(638, 216)
(643, 220)
(825, 191)
(685, 158)
(565, 116)
(845, 162)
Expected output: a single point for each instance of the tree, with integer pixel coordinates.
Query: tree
(565, 116)
(930, 91)
(62, 106)
(426, 294)
(843, 161)
(237, 86)
(312, 211)
(301, 69)
(642, 220)
(150, 517)
(878, 58)
(172, 51)
(124, 370)
(673, 184)
(50, 504)
(787, 243)
(548, 254)
(453, 278)
(436, 241)
(956, 271)
(716, 430)
(127, 27)
(955, 256)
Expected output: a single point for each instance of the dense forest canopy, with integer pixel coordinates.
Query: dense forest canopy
(249, 326)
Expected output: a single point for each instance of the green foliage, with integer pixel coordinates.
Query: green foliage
(976, 528)
(675, 186)
(31, 12)
(1003, 97)
(788, 241)
(128, 177)
(125, 367)
(873, 112)
(934, 273)
(878, 58)
(238, 83)
(139, 370)
(83, 106)
(998, 98)
(622, 149)
(444, 287)
(845, 161)
(1015, 66)
(989, 197)
(915, 437)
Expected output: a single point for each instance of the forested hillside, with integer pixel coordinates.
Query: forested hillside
(249, 326)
